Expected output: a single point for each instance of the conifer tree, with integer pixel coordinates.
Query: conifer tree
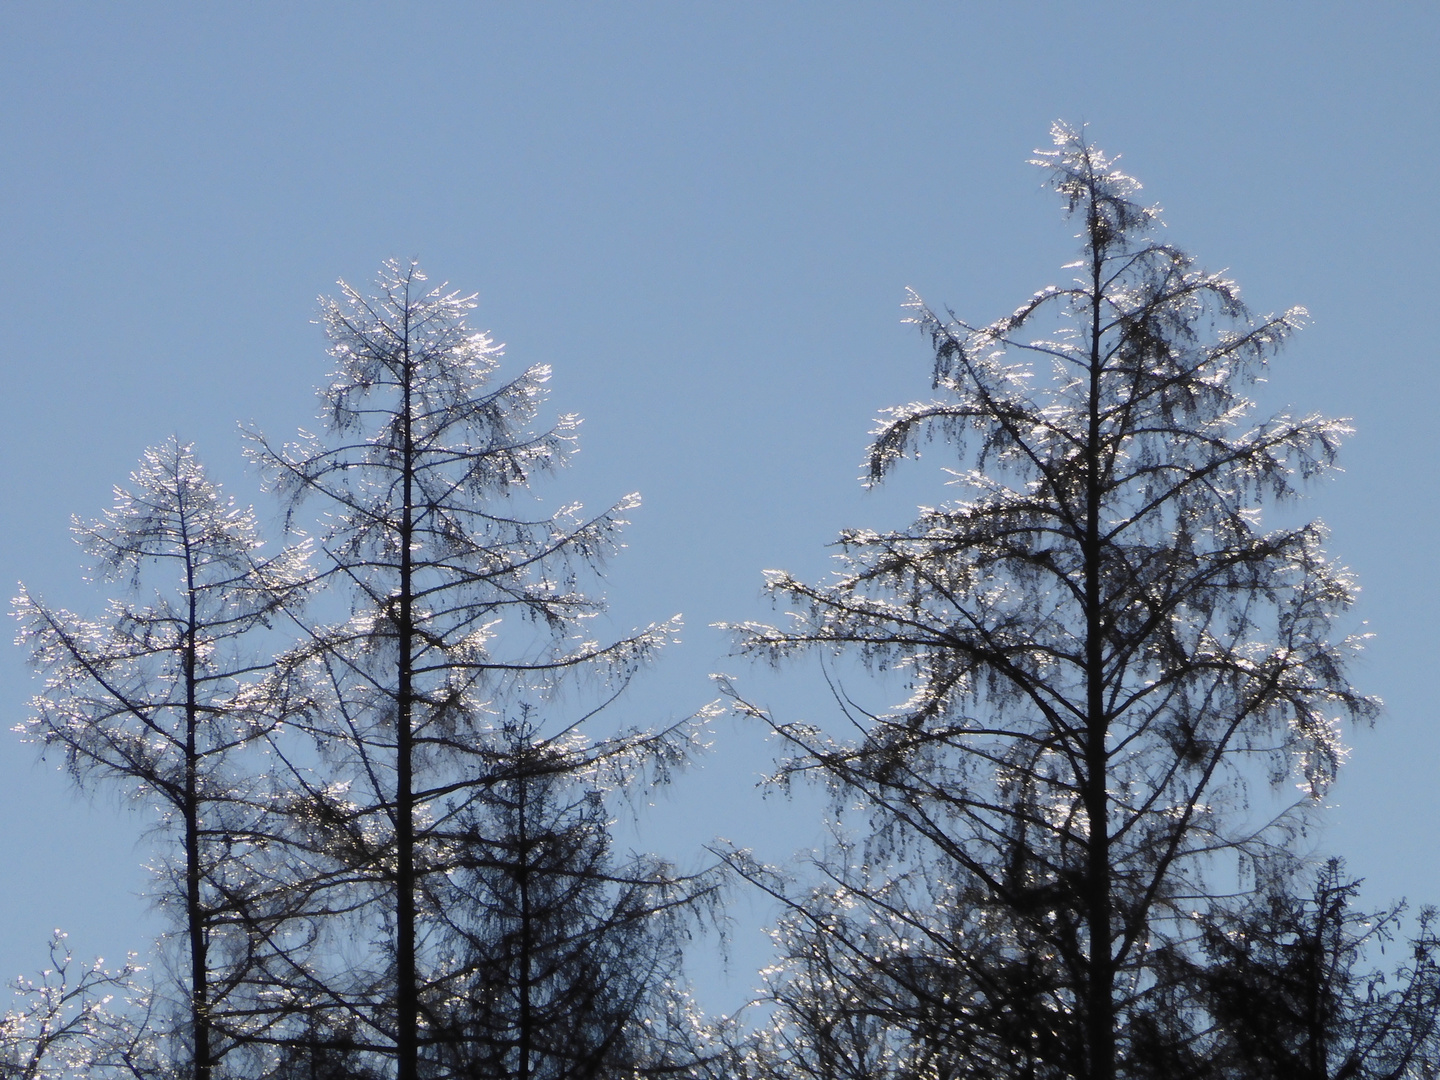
(1103, 644)
(1283, 988)
(567, 960)
(466, 605)
(67, 1024)
(160, 697)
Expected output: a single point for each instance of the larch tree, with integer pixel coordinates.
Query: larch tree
(160, 697)
(466, 606)
(1105, 649)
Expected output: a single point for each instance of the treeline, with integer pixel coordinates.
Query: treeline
(384, 845)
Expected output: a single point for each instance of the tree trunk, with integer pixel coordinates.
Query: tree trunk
(194, 912)
(407, 1005)
(1099, 1002)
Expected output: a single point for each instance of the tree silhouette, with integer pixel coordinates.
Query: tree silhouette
(1279, 990)
(464, 603)
(568, 962)
(162, 697)
(1100, 639)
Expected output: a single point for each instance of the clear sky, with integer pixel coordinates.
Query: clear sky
(704, 217)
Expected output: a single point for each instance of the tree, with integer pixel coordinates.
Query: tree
(892, 975)
(64, 1025)
(567, 962)
(464, 605)
(1282, 996)
(159, 697)
(1101, 642)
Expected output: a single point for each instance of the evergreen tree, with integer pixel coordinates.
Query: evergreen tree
(567, 963)
(1280, 990)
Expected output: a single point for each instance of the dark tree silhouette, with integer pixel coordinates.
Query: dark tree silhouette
(1282, 990)
(568, 962)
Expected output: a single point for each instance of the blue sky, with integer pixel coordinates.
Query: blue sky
(704, 216)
